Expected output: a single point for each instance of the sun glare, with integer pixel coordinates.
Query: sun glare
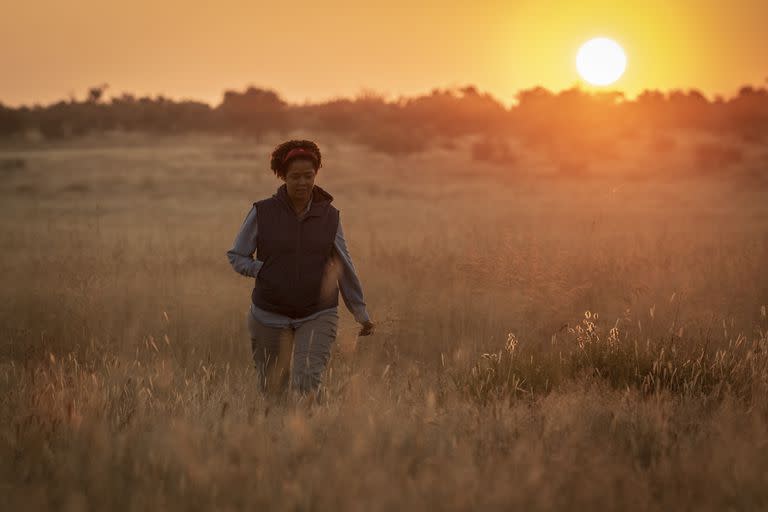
(601, 61)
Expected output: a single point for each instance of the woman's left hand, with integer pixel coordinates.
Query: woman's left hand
(367, 328)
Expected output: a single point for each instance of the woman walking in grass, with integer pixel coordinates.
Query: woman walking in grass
(301, 264)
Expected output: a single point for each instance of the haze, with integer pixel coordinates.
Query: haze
(53, 50)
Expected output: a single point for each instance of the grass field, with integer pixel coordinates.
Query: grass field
(125, 374)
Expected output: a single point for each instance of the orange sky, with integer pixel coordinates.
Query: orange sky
(52, 49)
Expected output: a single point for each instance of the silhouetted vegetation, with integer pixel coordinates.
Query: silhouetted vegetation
(558, 122)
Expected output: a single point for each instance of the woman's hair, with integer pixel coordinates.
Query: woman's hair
(277, 165)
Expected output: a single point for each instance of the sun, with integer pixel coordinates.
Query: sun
(601, 61)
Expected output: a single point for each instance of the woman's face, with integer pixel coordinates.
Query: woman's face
(300, 178)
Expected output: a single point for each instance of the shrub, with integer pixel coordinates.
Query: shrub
(710, 155)
(493, 150)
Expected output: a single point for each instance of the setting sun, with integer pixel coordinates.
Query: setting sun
(601, 61)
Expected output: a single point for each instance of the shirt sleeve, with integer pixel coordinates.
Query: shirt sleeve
(349, 283)
(240, 256)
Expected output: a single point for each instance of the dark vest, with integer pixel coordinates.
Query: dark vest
(299, 275)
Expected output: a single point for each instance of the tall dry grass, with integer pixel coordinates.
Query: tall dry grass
(125, 377)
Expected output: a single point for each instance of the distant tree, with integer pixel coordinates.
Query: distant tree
(95, 93)
(255, 110)
(11, 121)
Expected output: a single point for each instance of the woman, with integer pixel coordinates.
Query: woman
(301, 264)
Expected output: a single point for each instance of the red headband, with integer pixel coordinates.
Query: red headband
(302, 152)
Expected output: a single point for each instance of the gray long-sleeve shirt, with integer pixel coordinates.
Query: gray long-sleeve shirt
(241, 258)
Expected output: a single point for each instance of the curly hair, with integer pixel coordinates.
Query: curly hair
(276, 164)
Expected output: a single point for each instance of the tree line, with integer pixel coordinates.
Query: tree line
(540, 116)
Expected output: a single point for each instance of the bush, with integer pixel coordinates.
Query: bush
(493, 150)
(711, 155)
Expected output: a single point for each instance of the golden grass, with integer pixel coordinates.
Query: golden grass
(126, 382)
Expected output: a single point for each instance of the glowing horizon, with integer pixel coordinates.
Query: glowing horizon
(51, 51)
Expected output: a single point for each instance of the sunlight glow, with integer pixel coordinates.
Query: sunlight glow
(601, 61)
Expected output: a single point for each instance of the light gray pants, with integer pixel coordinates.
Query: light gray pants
(310, 342)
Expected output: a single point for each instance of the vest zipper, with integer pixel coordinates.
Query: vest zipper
(298, 250)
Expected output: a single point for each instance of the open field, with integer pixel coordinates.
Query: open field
(125, 374)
